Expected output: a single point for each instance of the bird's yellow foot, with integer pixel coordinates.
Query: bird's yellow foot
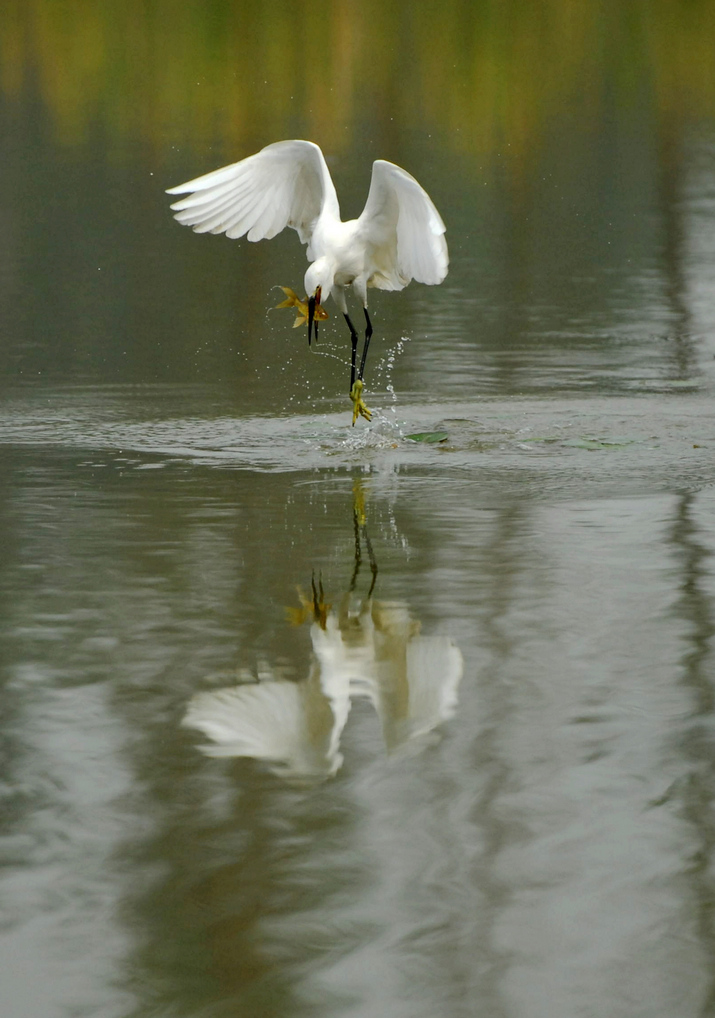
(359, 407)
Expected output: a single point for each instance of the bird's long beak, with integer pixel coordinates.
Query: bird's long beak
(311, 314)
(312, 301)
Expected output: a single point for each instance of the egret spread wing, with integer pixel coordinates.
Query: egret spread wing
(404, 232)
(285, 184)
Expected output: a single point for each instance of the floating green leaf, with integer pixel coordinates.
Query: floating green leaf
(429, 436)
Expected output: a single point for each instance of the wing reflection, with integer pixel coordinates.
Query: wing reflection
(364, 648)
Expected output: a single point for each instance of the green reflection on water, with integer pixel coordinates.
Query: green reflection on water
(486, 75)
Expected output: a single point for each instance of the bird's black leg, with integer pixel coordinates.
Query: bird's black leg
(354, 338)
(358, 549)
(368, 334)
(373, 563)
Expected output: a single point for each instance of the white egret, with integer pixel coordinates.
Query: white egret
(398, 237)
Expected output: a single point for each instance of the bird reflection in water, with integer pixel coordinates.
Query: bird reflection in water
(362, 648)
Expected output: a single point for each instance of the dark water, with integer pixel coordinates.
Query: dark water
(300, 719)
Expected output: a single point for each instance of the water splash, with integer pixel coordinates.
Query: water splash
(383, 432)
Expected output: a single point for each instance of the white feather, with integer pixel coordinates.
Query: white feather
(403, 230)
(290, 177)
(398, 237)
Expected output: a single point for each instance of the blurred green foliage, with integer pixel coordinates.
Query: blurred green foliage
(486, 75)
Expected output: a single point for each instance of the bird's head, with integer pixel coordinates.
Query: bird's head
(318, 283)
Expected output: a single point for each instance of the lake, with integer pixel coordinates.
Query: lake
(305, 719)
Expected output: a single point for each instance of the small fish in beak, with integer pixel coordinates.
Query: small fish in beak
(303, 307)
